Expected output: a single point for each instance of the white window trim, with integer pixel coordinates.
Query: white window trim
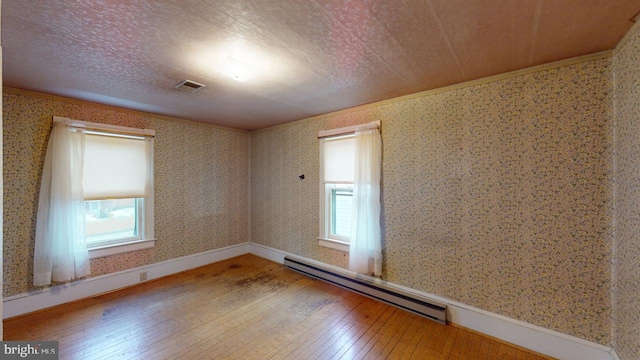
(348, 129)
(148, 240)
(104, 127)
(334, 244)
(140, 211)
(323, 238)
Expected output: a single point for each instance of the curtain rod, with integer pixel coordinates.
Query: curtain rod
(348, 129)
(104, 127)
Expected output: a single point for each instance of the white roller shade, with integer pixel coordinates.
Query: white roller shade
(116, 167)
(339, 158)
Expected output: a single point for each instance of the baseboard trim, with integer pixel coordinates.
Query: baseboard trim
(538, 339)
(541, 340)
(41, 299)
(268, 253)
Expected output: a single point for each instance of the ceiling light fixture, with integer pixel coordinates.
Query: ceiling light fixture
(235, 69)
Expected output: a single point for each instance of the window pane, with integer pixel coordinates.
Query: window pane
(341, 212)
(111, 219)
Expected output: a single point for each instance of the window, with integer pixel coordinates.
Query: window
(117, 184)
(113, 221)
(350, 176)
(92, 171)
(341, 212)
(336, 190)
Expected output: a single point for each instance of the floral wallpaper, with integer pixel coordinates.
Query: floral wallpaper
(626, 265)
(201, 182)
(496, 195)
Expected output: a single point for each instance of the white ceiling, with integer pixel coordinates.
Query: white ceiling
(308, 57)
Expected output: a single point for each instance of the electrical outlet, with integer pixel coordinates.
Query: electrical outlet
(143, 276)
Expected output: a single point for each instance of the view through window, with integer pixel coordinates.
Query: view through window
(109, 220)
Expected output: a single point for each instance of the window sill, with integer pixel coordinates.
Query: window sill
(334, 244)
(108, 250)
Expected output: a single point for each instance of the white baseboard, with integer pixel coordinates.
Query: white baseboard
(541, 340)
(37, 300)
(538, 339)
(268, 253)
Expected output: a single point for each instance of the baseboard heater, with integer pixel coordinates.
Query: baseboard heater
(379, 291)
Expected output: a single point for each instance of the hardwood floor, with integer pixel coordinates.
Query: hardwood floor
(247, 308)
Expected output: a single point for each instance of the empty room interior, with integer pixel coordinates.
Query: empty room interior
(507, 193)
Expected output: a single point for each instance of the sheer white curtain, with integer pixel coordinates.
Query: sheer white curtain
(60, 248)
(365, 249)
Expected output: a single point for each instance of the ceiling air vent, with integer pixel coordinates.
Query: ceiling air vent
(190, 86)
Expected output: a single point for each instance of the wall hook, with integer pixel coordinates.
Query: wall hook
(301, 177)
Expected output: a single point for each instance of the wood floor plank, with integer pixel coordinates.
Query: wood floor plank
(322, 338)
(474, 350)
(361, 346)
(330, 340)
(494, 348)
(110, 320)
(199, 319)
(400, 351)
(459, 345)
(330, 312)
(445, 347)
(385, 336)
(396, 332)
(306, 335)
(206, 340)
(370, 311)
(414, 335)
(485, 344)
(428, 345)
(247, 308)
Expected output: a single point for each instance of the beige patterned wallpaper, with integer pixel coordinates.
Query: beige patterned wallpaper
(496, 195)
(626, 265)
(201, 181)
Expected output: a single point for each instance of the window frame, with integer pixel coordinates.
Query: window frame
(144, 240)
(324, 223)
(145, 210)
(326, 238)
(330, 189)
(138, 230)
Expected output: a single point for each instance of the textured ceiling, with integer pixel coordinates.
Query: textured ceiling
(307, 57)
